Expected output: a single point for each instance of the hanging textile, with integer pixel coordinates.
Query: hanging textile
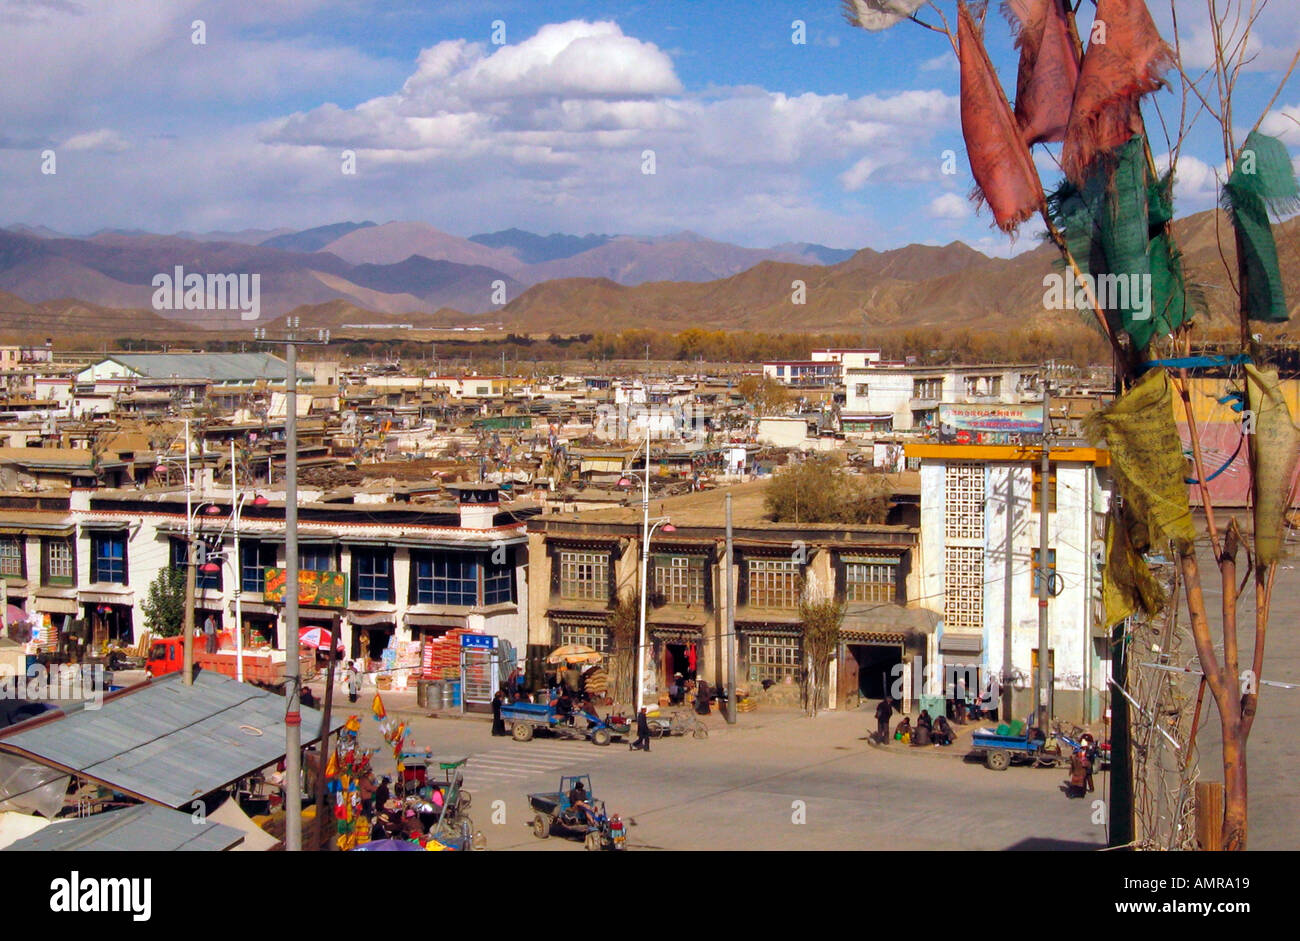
(1125, 60)
(1147, 459)
(1049, 69)
(876, 15)
(1127, 584)
(1275, 442)
(1005, 176)
(1262, 181)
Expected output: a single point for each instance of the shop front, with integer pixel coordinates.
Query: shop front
(372, 634)
(108, 619)
(261, 625)
(678, 652)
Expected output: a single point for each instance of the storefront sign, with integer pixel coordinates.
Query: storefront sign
(320, 589)
(481, 641)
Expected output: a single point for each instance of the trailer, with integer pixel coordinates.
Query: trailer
(527, 718)
(1001, 751)
(262, 668)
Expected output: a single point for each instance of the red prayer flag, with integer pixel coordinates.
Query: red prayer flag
(1049, 69)
(1125, 60)
(999, 159)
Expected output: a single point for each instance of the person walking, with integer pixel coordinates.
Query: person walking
(702, 698)
(354, 682)
(498, 726)
(883, 712)
(210, 633)
(642, 732)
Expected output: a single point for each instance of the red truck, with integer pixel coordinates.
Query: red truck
(265, 668)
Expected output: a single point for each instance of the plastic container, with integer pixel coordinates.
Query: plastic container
(455, 693)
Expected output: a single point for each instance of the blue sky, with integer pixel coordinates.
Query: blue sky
(756, 139)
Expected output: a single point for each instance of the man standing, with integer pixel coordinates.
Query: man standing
(642, 732)
(498, 726)
(210, 633)
(883, 711)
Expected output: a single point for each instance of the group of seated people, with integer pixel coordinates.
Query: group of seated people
(927, 731)
(563, 702)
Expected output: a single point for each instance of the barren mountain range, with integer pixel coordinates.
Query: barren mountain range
(407, 272)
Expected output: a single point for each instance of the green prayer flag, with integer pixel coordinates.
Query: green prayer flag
(1262, 181)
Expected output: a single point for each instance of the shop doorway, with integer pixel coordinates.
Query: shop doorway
(109, 623)
(261, 631)
(877, 668)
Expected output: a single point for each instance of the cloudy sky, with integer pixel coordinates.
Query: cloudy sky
(475, 115)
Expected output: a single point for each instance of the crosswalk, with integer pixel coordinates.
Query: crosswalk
(519, 760)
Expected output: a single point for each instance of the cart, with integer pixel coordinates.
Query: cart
(526, 718)
(1001, 751)
(553, 814)
(678, 723)
(418, 774)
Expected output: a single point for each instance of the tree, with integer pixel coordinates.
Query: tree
(765, 394)
(821, 614)
(818, 491)
(164, 608)
(624, 630)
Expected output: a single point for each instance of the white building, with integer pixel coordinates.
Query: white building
(885, 397)
(979, 557)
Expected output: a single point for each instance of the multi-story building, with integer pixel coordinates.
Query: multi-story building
(885, 397)
(410, 569)
(581, 564)
(980, 563)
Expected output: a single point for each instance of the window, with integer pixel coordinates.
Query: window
(927, 388)
(372, 575)
(108, 558)
(773, 657)
(203, 550)
(963, 588)
(679, 579)
(12, 550)
(860, 389)
(871, 579)
(964, 501)
(499, 582)
(1053, 582)
(445, 578)
(316, 558)
(60, 563)
(774, 583)
(1051, 486)
(595, 636)
(584, 575)
(255, 559)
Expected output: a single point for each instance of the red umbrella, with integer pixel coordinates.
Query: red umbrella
(315, 638)
(15, 615)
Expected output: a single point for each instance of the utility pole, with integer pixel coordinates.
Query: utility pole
(292, 676)
(187, 620)
(731, 628)
(1043, 676)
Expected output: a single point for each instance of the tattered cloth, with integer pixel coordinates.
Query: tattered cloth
(1274, 445)
(1127, 584)
(1005, 176)
(1146, 455)
(1262, 181)
(1125, 60)
(1049, 68)
(876, 15)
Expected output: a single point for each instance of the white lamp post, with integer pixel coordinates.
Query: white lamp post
(648, 527)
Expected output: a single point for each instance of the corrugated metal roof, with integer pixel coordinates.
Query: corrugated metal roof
(218, 367)
(165, 742)
(146, 827)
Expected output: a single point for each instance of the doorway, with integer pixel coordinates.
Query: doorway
(878, 667)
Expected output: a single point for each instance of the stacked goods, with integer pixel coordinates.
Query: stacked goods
(442, 654)
(596, 681)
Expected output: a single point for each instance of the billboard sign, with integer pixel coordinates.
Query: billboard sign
(318, 589)
(989, 424)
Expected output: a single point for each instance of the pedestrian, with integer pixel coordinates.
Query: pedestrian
(1089, 759)
(642, 732)
(498, 726)
(702, 698)
(354, 682)
(883, 711)
(512, 684)
(1077, 785)
(210, 633)
(306, 697)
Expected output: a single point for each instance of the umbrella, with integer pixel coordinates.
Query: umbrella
(574, 653)
(15, 615)
(387, 846)
(316, 638)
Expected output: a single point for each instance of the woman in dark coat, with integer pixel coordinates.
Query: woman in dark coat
(702, 698)
(498, 726)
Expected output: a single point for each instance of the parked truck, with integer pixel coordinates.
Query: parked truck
(261, 667)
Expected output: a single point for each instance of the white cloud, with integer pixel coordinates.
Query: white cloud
(1284, 124)
(104, 139)
(950, 207)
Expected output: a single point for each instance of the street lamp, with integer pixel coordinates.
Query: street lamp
(648, 527)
